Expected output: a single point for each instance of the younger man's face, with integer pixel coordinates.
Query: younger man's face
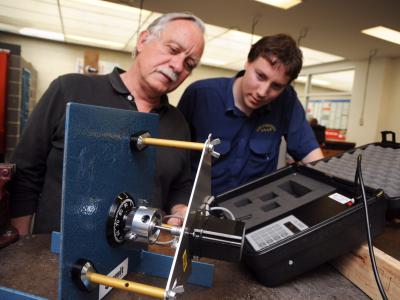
(262, 82)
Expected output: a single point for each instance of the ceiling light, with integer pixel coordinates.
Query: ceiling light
(303, 79)
(98, 42)
(284, 4)
(383, 33)
(315, 57)
(106, 24)
(9, 28)
(212, 62)
(316, 81)
(50, 35)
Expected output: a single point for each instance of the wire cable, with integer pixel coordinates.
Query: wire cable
(372, 53)
(360, 181)
(224, 210)
(163, 243)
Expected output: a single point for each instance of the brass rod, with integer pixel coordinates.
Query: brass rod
(165, 227)
(126, 285)
(172, 143)
(173, 230)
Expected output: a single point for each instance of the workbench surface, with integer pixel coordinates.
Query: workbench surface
(29, 266)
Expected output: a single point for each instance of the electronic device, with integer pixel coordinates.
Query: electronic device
(298, 218)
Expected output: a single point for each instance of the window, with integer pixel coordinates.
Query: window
(327, 97)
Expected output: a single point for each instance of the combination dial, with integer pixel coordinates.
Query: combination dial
(116, 223)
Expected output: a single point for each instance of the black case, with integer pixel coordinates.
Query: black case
(304, 193)
(381, 167)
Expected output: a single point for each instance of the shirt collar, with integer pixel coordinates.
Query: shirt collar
(230, 101)
(164, 105)
(119, 86)
(116, 81)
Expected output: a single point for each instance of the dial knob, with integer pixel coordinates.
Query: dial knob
(121, 208)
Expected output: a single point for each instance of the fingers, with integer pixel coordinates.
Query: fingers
(175, 221)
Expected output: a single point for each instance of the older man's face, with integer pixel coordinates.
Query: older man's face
(166, 61)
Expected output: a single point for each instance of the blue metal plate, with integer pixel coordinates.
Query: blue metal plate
(98, 166)
(11, 294)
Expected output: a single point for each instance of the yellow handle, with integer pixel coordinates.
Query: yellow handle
(172, 143)
(126, 285)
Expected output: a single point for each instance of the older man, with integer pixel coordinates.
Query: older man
(165, 55)
(250, 113)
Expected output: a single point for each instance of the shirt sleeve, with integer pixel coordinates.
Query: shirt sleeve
(300, 137)
(30, 155)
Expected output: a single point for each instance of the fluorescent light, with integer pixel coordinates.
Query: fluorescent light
(383, 33)
(284, 4)
(50, 35)
(89, 40)
(315, 57)
(106, 24)
(212, 62)
(303, 79)
(222, 41)
(236, 65)
(319, 82)
(9, 28)
(213, 31)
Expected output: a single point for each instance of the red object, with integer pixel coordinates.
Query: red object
(335, 134)
(8, 234)
(4, 55)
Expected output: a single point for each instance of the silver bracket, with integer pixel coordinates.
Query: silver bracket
(210, 147)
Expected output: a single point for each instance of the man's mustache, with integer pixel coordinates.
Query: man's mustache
(169, 73)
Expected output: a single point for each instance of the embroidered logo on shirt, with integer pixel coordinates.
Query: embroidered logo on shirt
(266, 128)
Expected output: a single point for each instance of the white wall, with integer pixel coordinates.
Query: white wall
(363, 127)
(381, 110)
(390, 116)
(52, 59)
(382, 101)
(201, 72)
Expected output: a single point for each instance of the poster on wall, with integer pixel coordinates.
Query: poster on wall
(333, 114)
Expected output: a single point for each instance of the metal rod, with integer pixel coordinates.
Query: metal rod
(172, 143)
(174, 230)
(126, 285)
(164, 226)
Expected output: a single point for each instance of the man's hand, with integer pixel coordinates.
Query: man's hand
(178, 210)
(22, 224)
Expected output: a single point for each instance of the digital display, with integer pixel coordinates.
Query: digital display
(293, 228)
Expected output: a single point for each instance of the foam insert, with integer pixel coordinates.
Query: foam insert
(276, 198)
(380, 167)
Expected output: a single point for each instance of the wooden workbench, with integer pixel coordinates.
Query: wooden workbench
(356, 265)
(29, 266)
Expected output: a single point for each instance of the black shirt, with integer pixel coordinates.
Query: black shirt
(36, 186)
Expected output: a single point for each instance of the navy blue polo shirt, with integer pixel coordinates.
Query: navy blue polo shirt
(249, 145)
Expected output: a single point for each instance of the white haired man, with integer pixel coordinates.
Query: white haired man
(166, 53)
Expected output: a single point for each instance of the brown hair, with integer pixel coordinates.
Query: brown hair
(279, 48)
